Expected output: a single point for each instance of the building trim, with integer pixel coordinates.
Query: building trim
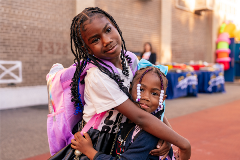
(16, 97)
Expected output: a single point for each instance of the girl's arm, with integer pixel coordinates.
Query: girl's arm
(139, 149)
(163, 147)
(152, 125)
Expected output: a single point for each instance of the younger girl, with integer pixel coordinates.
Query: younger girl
(97, 39)
(132, 142)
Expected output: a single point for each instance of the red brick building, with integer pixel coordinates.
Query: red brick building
(36, 33)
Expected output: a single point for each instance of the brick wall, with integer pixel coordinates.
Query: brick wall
(139, 21)
(37, 33)
(191, 35)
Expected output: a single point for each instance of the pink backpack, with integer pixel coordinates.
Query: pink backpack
(61, 118)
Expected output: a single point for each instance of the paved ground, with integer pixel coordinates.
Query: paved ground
(186, 105)
(214, 133)
(209, 121)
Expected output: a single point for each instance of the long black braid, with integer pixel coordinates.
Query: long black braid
(82, 56)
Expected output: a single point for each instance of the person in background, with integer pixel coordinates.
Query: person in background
(148, 54)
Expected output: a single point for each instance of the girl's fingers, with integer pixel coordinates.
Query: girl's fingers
(73, 146)
(78, 136)
(165, 155)
(154, 151)
(86, 135)
(160, 143)
(159, 150)
(73, 141)
(75, 135)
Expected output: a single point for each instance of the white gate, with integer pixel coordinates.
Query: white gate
(14, 78)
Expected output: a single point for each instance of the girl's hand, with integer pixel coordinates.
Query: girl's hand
(163, 148)
(84, 145)
(80, 143)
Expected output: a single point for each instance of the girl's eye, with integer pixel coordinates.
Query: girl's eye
(108, 29)
(155, 93)
(95, 40)
(141, 89)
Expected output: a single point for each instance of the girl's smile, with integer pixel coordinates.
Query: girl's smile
(144, 106)
(111, 49)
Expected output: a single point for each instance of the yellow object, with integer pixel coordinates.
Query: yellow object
(237, 35)
(169, 66)
(230, 29)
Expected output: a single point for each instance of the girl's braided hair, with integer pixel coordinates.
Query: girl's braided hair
(82, 56)
(141, 72)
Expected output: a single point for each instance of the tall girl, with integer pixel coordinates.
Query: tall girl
(97, 39)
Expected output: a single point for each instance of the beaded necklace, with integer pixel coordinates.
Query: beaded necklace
(121, 145)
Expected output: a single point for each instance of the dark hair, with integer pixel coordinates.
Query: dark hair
(140, 73)
(144, 48)
(82, 56)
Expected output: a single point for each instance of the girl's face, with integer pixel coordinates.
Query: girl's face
(150, 91)
(102, 38)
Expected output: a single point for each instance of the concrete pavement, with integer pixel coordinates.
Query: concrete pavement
(23, 132)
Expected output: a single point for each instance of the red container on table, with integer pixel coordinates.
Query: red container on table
(180, 66)
(196, 67)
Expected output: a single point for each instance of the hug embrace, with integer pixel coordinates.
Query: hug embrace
(111, 105)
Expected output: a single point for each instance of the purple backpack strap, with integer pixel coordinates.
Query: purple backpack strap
(134, 63)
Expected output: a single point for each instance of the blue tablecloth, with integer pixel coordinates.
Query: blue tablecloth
(191, 83)
(210, 82)
(182, 84)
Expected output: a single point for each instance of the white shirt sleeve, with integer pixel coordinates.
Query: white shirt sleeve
(101, 93)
